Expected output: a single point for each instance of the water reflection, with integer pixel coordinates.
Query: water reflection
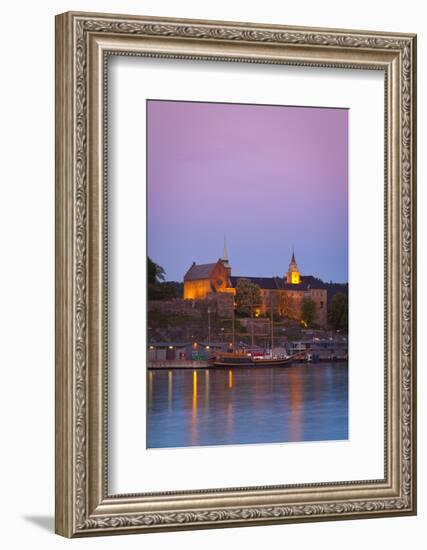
(170, 390)
(207, 372)
(247, 405)
(150, 390)
(295, 406)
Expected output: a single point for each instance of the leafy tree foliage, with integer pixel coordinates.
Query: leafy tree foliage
(155, 272)
(338, 312)
(248, 296)
(308, 308)
(157, 288)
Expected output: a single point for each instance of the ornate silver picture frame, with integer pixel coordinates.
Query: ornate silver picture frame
(84, 505)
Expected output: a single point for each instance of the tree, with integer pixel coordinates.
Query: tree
(308, 308)
(273, 302)
(157, 288)
(338, 312)
(162, 291)
(155, 272)
(248, 296)
(289, 306)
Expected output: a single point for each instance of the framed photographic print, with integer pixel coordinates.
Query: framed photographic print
(235, 274)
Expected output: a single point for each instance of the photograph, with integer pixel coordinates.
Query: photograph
(247, 274)
(235, 271)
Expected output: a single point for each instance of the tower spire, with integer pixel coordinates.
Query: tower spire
(225, 254)
(224, 258)
(293, 276)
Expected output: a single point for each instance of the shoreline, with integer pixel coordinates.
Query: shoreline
(204, 365)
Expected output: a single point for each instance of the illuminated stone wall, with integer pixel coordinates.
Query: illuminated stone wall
(197, 290)
(223, 302)
(200, 288)
(291, 303)
(286, 303)
(319, 297)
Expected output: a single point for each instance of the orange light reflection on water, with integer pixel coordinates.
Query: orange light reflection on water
(295, 401)
(194, 434)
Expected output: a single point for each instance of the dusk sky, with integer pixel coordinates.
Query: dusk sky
(269, 177)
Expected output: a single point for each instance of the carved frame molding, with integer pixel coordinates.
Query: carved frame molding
(83, 43)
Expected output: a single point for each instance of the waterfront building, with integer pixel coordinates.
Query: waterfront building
(285, 295)
(321, 349)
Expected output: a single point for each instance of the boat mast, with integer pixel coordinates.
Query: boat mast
(209, 326)
(233, 330)
(272, 326)
(252, 321)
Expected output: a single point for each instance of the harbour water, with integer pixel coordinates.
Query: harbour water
(247, 405)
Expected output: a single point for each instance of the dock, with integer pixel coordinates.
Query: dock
(179, 364)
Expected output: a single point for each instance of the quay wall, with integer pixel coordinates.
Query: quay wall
(166, 365)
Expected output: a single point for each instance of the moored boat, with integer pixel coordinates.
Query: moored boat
(252, 357)
(248, 360)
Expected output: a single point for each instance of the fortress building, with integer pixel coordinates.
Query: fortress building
(285, 295)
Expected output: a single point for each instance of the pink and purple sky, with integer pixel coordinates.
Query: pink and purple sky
(269, 177)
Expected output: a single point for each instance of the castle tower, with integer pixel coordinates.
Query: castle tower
(293, 275)
(224, 258)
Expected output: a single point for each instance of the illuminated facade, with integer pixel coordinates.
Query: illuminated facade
(293, 276)
(202, 279)
(284, 295)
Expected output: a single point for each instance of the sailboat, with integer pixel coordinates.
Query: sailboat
(238, 359)
(250, 358)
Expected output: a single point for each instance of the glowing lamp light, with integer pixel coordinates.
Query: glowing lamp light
(170, 347)
(207, 347)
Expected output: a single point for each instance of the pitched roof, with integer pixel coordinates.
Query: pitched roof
(307, 282)
(277, 283)
(268, 283)
(312, 282)
(201, 271)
